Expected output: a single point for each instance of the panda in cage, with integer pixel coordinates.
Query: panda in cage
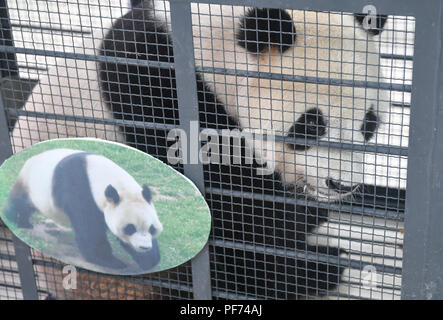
(88, 194)
(299, 45)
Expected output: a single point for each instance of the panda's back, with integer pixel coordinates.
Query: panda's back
(55, 177)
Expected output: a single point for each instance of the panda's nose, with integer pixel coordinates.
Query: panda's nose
(340, 188)
(145, 248)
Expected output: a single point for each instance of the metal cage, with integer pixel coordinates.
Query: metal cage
(243, 258)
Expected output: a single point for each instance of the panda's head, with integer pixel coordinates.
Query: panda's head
(132, 217)
(312, 117)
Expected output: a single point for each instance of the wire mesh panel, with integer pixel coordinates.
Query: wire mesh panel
(10, 283)
(302, 114)
(67, 102)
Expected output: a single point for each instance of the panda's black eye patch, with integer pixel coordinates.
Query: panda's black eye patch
(153, 230)
(263, 28)
(112, 194)
(130, 229)
(369, 125)
(309, 126)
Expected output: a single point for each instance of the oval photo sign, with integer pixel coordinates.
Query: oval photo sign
(102, 206)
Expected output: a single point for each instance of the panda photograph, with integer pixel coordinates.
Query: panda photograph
(90, 195)
(262, 242)
(102, 206)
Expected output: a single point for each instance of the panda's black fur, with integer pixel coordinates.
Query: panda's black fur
(148, 94)
(71, 193)
(125, 88)
(261, 27)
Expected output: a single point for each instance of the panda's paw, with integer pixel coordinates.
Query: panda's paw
(117, 264)
(323, 278)
(149, 259)
(112, 263)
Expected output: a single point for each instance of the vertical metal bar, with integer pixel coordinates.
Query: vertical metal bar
(181, 25)
(25, 269)
(8, 65)
(5, 141)
(22, 251)
(422, 276)
(8, 62)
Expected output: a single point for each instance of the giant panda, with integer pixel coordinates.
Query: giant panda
(292, 43)
(90, 195)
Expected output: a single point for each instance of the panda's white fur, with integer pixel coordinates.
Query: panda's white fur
(77, 190)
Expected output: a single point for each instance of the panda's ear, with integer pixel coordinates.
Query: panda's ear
(146, 192)
(261, 29)
(112, 195)
(371, 26)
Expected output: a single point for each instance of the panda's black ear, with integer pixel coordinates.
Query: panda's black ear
(146, 192)
(261, 29)
(373, 27)
(112, 195)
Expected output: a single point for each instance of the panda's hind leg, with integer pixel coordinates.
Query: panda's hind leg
(315, 277)
(19, 208)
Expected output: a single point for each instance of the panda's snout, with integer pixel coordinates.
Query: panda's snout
(340, 188)
(145, 248)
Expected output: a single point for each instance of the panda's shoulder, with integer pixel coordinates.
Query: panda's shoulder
(105, 170)
(46, 161)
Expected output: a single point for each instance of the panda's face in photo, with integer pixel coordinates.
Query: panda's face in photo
(133, 219)
(140, 238)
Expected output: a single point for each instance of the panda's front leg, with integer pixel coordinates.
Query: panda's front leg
(94, 246)
(90, 231)
(145, 260)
